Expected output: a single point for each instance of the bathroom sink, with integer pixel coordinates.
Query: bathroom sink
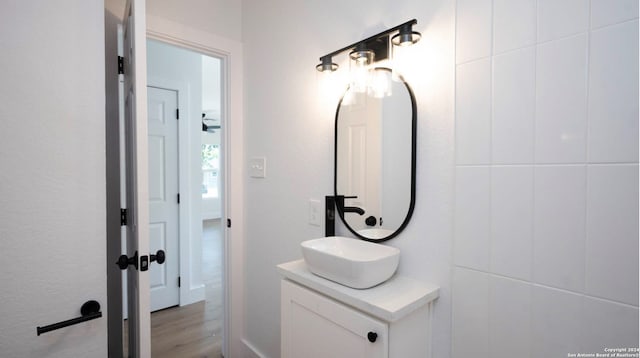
(350, 262)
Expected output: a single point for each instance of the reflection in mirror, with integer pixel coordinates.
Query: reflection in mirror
(375, 158)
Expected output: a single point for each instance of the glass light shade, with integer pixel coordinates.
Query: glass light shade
(359, 66)
(401, 61)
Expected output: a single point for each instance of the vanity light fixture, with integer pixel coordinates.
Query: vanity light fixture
(374, 48)
(406, 36)
(326, 65)
(359, 65)
(362, 56)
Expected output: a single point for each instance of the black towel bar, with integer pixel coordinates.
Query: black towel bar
(89, 310)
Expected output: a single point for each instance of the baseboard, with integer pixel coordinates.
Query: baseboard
(250, 351)
(197, 293)
(211, 216)
(194, 294)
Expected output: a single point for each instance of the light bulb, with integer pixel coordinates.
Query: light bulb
(359, 66)
(380, 85)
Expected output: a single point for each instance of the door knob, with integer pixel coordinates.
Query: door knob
(159, 257)
(124, 261)
(372, 336)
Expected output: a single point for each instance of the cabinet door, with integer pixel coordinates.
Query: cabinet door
(314, 326)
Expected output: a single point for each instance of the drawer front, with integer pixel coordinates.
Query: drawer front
(316, 326)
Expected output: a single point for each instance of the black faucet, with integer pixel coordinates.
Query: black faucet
(331, 202)
(347, 209)
(353, 209)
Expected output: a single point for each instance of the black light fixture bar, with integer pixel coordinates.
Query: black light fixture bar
(371, 39)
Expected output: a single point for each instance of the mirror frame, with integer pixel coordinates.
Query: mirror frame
(414, 127)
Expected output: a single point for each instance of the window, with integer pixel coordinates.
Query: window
(210, 170)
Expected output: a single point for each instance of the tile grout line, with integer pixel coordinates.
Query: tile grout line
(564, 290)
(533, 170)
(587, 156)
(549, 164)
(608, 25)
(490, 287)
(565, 37)
(455, 178)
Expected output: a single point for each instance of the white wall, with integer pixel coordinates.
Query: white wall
(169, 64)
(291, 124)
(212, 106)
(52, 176)
(211, 86)
(546, 218)
(219, 17)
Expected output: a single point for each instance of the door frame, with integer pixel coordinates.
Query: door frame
(232, 162)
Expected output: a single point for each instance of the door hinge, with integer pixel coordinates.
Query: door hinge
(123, 217)
(120, 65)
(178, 281)
(177, 113)
(228, 222)
(178, 198)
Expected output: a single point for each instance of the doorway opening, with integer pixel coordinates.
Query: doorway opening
(185, 121)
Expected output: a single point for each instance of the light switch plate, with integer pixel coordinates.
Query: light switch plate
(315, 212)
(258, 167)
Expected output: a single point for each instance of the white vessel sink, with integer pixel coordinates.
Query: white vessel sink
(350, 262)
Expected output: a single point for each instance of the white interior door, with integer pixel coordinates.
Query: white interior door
(135, 94)
(163, 195)
(360, 167)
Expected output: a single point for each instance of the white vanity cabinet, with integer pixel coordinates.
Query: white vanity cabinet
(320, 318)
(316, 326)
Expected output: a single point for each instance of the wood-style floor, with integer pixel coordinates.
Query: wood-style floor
(194, 330)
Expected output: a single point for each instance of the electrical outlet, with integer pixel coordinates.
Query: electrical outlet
(315, 212)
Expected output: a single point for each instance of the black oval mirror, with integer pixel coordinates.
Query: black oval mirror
(375, 158)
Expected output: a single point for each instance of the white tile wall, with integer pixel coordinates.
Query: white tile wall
(511, 220)
(513, 107)
(556, 322)
(613, 94)
(473, 29)
(472, 231)
(514, 24)
(560, 18)
(612, 232)
(561, 97)
(608, 324)
(470, 327)
(609, 12)
(559, 221)
(546, 216)
(509, 318)
(473, 112)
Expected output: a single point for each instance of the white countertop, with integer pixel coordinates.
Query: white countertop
(389, 301)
